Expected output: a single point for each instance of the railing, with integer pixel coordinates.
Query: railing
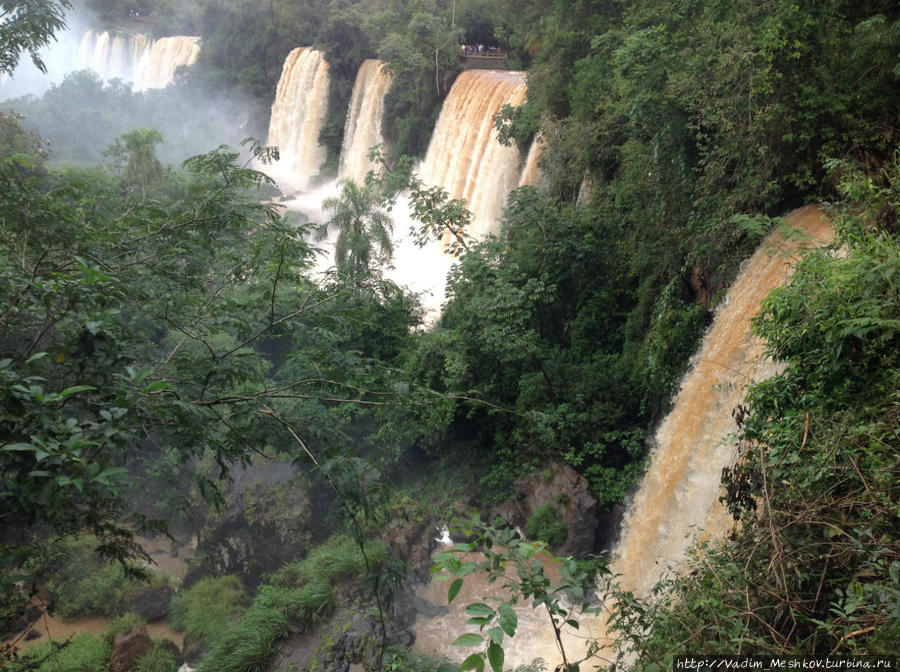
(484, 60)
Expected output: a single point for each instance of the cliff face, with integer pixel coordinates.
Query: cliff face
(266, 522)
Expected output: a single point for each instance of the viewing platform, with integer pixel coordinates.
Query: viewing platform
(483, 60)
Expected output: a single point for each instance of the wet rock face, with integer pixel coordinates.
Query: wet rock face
(562, 487)
(152, 603)
(350, 640)
(129, 647)
(411, 541)
(265, 523)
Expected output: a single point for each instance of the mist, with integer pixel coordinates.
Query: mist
(80, 114)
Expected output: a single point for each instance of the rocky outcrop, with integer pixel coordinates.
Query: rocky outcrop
(410, 540)
(349, 639)
(129, 647)
(264, 524)
(152, 603)
(568, 492)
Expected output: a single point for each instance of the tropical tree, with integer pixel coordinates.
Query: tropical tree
(135, 150)
(363, 229)
(136, 327)
(28, 25)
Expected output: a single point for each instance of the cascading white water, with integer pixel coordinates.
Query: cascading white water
(148, 64)
(531, 172)
(99, 62)
(301, 102)
(158, 63)
(464, 156)
(363, 128)
(677, 502)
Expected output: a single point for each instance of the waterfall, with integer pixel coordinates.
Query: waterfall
(363, 127)
(464, 156)
(677, 502)
(148, 64)
(678, 497)
(157, 65)
(301, 102)
(100, 55)
(531, 174)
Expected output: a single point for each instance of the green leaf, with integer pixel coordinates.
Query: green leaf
(454, 590)
(158, 385)
(508, 619)
(495, 656)
(480, 609)
(77, 388)
(473, 662)
(35, 356)
(21, 447)
(110, 472)
(480, 621)
(469, 639)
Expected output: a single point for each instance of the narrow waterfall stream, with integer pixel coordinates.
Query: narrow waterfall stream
(678, 498)
(363, 128)
(301, 102)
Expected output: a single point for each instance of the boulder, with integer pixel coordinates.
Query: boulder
(410, 540)
(152, 603)
(568, 491)
(128, 648)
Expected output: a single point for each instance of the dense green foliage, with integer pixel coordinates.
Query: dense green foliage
(82, 652)
(157, 659)
(91, 653)
(546, 524)
(157, 311)
(79, 582)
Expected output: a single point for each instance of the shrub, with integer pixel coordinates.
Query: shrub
(401, 660)
(336, 560)
(120, 626)
(82, 652)
(157, 659)
(546, 524)
(204, 611)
